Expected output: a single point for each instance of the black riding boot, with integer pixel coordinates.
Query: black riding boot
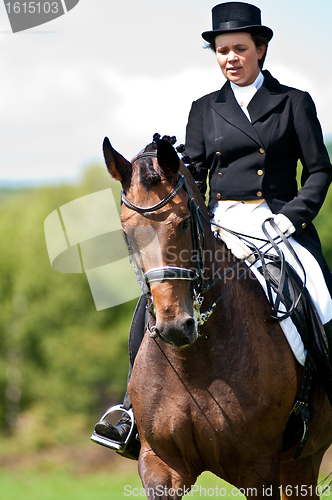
(119, 432)
(328, 331)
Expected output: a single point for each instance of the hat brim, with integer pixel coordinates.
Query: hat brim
(209, 36)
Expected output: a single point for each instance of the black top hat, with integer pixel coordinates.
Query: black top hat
(236, 16)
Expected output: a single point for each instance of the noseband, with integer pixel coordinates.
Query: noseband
(159, 274)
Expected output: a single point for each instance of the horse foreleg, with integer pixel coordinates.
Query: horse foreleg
(299, 477)
(161, 481)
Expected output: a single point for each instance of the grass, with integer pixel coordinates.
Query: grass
(88, 473)
(61, 485)
(64, 486)
(36, 485)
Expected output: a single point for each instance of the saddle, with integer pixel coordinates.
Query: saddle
(290, 291)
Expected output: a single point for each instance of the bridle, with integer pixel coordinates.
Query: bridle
(174, 272)
(158, 274)
(163, 203)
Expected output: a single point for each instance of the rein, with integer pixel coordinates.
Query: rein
(285, 274)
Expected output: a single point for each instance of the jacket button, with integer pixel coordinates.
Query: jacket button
(218, 196)
(219, 174)
(304, 225)
(260, 172)
(261, 150)
(218, 153)
(259, 193)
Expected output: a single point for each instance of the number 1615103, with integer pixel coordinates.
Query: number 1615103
(32, 7)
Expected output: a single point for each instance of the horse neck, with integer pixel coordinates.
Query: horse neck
(233, 288)
(219, 262)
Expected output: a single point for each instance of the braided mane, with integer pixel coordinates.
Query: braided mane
(148, 174)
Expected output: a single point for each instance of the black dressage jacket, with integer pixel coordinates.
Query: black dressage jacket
(258, 159)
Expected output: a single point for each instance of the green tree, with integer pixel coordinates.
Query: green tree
(61, 361)
(323, 222)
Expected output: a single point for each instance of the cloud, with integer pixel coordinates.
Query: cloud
(149, 105)
(59, 121)
(125, 70)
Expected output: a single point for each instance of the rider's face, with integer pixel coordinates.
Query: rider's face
(238, 57)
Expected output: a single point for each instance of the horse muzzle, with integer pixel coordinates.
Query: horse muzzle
(180, 332)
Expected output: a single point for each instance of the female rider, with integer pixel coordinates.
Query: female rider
(246, 139)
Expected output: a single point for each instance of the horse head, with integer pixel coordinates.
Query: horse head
(158, 224)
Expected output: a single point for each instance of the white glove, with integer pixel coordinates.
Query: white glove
(284, 224)
(238, 248)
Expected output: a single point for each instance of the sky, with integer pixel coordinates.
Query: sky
(127, 69)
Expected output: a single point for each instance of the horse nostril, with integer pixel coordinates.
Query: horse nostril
(189, 325)
(179, 333)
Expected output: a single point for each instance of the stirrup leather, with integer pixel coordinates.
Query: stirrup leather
(109, 443)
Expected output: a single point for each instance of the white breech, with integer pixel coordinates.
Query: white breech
(247, 218)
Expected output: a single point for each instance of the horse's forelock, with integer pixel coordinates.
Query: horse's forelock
(148, 174)
(150, 148)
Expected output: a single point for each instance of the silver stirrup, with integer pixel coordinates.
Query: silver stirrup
(114, 445)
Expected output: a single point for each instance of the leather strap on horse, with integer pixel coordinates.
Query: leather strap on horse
(163, 203)
(284, 274)
(170, 273)
(197, 229)
(302, 412)
(304, 405)
(137, 269)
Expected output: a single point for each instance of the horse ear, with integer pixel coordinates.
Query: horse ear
(167, 158)
(117, 165)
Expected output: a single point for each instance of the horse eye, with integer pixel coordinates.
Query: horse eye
(185, 224)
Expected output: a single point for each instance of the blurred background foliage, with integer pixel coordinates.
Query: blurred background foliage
(62, 363)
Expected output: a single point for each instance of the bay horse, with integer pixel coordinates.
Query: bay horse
(209, 392)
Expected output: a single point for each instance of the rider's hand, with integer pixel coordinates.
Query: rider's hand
(284, 224)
